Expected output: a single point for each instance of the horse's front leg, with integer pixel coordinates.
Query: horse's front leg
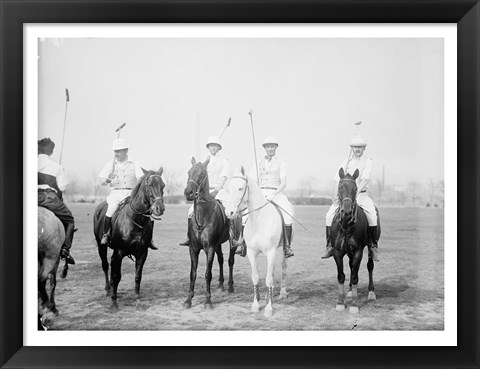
(221, 278)
(187, 304)
(341, 280)
(208, 276)
(115, 277)
(283, 285)
(139, 263)
(371, 288)
(231, 262)
(269, 282)
(357, 258)
(102, 252)
(252, 257)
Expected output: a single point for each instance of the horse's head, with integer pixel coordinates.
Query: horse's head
(154, 186)
(347, 192)
(197, 179)
(237, 194)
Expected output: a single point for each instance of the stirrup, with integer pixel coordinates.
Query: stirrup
(328, 252)
(65, 254)
(287, 251)
(105, 239)
(373, 253)
(242, 251)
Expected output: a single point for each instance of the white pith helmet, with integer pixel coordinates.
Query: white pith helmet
(119, 144)
(358, 141)
(214, 140)
(270, 140)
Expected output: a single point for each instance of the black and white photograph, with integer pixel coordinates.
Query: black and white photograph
(244, 182)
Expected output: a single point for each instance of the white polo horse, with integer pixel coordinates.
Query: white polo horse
(262, 233)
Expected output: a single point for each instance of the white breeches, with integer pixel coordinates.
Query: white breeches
(285, 205)
(365, 202)
(221, 196)
(115, 197)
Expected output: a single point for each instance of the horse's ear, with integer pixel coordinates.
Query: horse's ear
(160, 171)
(242, 170)
(193, 161)
(341, 173)
(144, 170)
(205, 163)
(356, 174)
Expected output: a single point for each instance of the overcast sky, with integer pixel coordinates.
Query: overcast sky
(174, 93)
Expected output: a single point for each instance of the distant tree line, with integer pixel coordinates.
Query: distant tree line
(413, 194)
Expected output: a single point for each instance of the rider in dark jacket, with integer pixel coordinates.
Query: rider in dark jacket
(51, 182)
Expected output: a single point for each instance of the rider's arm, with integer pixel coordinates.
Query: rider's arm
(365, 176)
(362, 184)
(283, 179)
(105, 174)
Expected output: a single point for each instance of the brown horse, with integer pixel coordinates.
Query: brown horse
(208, 228)
(132, 230)
(51, 235)
(349, 237)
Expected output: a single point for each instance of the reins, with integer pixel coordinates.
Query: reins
(195, 203)
(151, 201)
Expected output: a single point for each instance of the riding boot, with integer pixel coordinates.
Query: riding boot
(106, 231)
(152, 245)
(373, 249)
(329, 250)
(187, 242)
(287, 250)
(242, 251)
(67, 245)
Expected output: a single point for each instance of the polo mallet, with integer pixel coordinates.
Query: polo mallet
(119, 130)
(357, 124)
(254, 145)
(225, 128)
(67, 99)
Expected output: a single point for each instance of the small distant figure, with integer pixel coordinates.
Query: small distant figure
(52, 181)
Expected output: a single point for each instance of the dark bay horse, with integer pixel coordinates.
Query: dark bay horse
(131, 232)
(208, 228)
(51, 235)
(349, 237)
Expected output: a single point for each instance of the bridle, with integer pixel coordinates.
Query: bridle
(199, 185)
(353, 219)
(152, 198)
(247, 189)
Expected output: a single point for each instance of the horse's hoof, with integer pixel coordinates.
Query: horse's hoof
(268, 313)
(231, 289)
(114, 308)
(372, 296)
(283, 293)
(255, 308)
(55, 311)
(64, 273)
(220, 288)
(340, 307)
(187, 304)
(349, 294)
(353, 310)
(208, 306)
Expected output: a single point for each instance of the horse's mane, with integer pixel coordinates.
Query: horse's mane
(139, 184)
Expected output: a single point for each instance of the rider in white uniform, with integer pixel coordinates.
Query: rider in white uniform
(122, 175)
(218, 171)
(364, 165)
(272, 173)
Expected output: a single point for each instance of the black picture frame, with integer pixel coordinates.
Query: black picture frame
(14, 14)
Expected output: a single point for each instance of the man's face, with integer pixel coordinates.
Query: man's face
(358, 150)
(270, 149)
(121, 155)
(213, 148)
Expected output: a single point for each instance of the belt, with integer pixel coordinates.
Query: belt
(121, 188)
(268, 188)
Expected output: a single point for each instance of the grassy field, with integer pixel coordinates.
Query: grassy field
(409, 281)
